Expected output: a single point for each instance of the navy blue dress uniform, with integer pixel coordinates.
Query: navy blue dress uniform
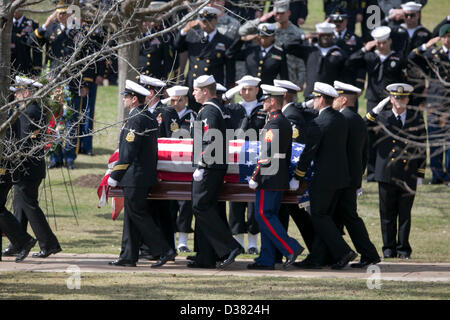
(399, 164)
(264, 63)
(31, 172)
(326, 139)
(21, 241)
(271, 179)
(352, 8)
(26, 58)
(135, 172)
(346, 207)
(157, 57)
(299, 9)
(213, 236)
(320, 67)
(434, 62)
(207, 54)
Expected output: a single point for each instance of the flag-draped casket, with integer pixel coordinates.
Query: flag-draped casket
(175, 172)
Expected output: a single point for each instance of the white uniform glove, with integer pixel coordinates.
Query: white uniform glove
(111, 182)
(359, 192)
(231, 93)
(252, 184)
(419, 181)
(309, 103)
(381, 105)
(293, 184)
(198, 174)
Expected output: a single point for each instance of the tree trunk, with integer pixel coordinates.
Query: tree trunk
(128, 64)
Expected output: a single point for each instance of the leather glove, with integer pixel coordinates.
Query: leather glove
(198, 174)
(252, 184)
(379, 107)
(293, 184)
(111, 182)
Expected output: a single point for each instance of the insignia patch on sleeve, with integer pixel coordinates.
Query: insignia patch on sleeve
(269, 136)
(130, 136)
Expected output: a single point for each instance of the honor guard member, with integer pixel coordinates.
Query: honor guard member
(400, 166)
(26, 58)
(346, 208)
(266, 60)
(299, 117)
(214, 238)
(60, 42)
(437, 29)
(31, 172)
(299, 12)
(326, 139)
(226, 24)
(271, 179)
(135, 172)
(206, 49)
(181, 209)
(352, 8)
(383, 66)
(167, 119)
(350, 43)
(248, 114)
(324, 61)
(433, 62)
(21, 241)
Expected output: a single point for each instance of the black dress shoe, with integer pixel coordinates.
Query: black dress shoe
(344, 260)
(184, 249)
(52, 165)
(46, 253)
(388, 253)
(233, 254)
(191, 258)
(10, 251)
(307, 265)
(291, 258)
(196, 265)
(257, 266)
(122, 263)
(364, 263)
(252, 250)
(70, 165)
(26, 250)
(170, 255)
(404, 256)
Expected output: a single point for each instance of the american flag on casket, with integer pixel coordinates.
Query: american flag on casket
(175, 164)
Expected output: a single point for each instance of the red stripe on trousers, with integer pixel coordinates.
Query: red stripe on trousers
(261, 204)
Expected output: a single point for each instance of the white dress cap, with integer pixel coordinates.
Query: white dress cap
(209, 12)
(381, 33)
(149, 81)
(132, 87)
(177, 91)
(286, 84)
(249, 81)
(156, 4)
(342, 87)
(321, 88)
(325, 27)
(266, 29)
(26, 82)
(220, 87)
(272, 90)
(399, 89)
(204, 81)
(411, 6)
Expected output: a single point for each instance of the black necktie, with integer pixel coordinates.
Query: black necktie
(399, 121)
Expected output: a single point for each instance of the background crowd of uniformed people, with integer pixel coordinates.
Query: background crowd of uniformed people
(269, 61)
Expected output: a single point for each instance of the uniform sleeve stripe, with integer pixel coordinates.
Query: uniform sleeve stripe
(88, 79)
(370, 118)
(421, 170)
(37, 34)
(2, 171)
(121, 167)
(299, 173)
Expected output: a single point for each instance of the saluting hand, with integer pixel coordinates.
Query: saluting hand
(381, 105)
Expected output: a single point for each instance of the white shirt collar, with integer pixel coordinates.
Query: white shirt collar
(249, 106)
(210, 35)
(343, 32)
(182, 113)
(18, 21)
(402, 116)
(324, 109)
(153, 107)
(266, 50)
(285, 107)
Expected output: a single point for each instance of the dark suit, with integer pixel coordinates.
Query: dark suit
(326, 139)
(398, 165)
(30, 175)
(214, 238)
(135, 171)
(26, 58)
(346, 207)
